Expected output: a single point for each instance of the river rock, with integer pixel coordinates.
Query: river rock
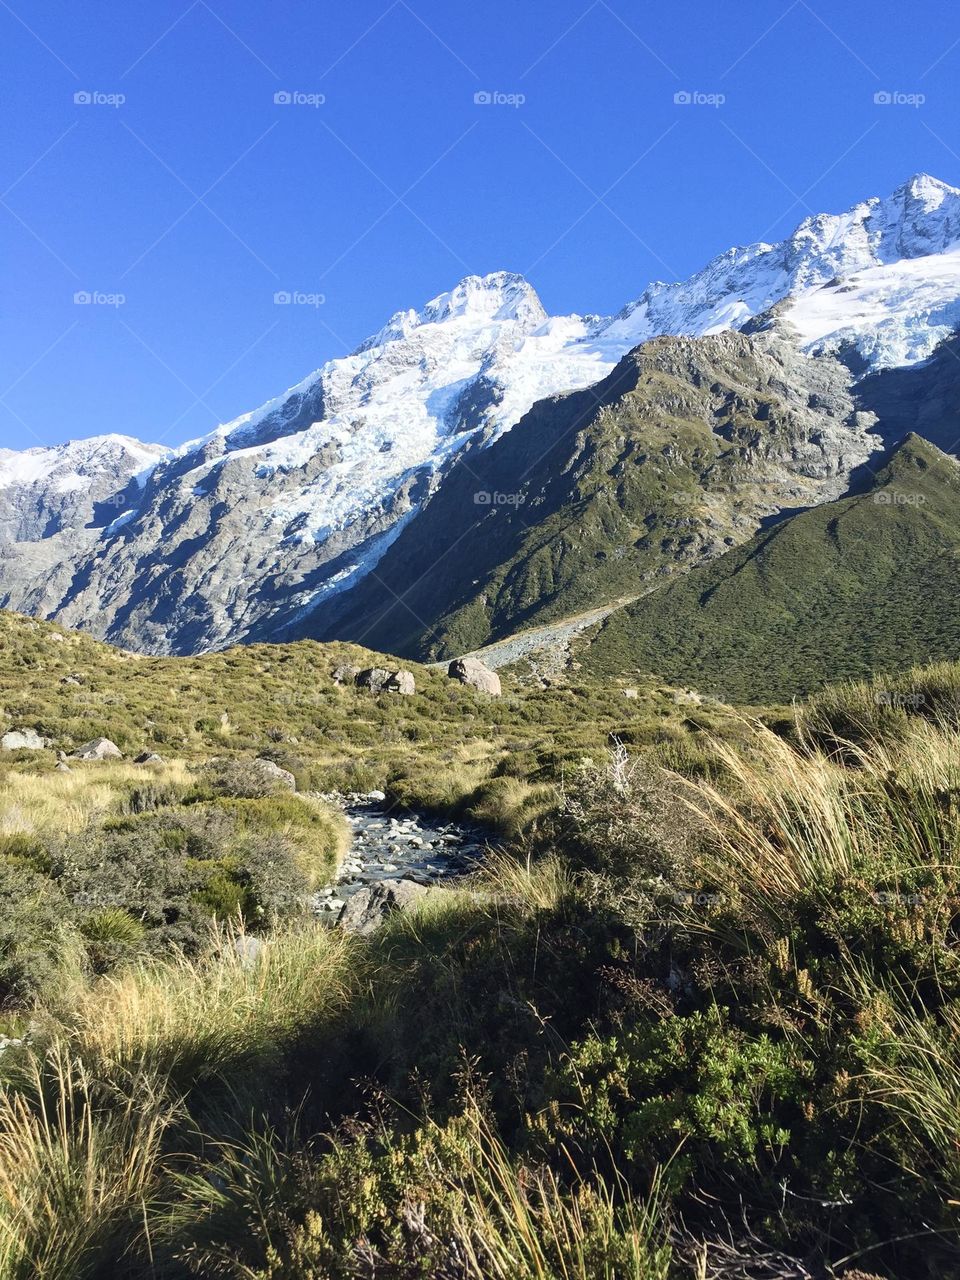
(99, 749)
(21, 740)
(368, 908)
(472, 672)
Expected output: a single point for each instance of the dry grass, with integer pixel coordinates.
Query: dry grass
(788, 822)
(42, 803)
(536, 883)
(75, 1175)
(227, 1014)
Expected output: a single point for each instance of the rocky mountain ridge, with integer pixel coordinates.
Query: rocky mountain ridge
(273, 518)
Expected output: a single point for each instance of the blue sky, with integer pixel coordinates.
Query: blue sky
(185, 189)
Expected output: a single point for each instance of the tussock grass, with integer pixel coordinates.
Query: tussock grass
(883, 709)
(77, 1171)
(789, 822)
(535, 883)
(230, 1015)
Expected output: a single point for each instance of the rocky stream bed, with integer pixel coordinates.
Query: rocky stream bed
(395, 859)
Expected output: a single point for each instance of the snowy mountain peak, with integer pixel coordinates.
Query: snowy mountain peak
(502, 295)
(77, 463)
(926, 189)
(477, 301)
(920, 220)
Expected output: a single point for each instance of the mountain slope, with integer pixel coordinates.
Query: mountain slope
(863, 585)
(272, 517)
(679, 454)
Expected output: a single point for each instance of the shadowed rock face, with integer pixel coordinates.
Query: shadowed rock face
(679, 454)
(924, 398)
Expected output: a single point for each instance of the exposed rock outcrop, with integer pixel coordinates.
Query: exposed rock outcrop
(99, 749)
(22, 740)
(472, 672)
(370, 907)
(380, 680)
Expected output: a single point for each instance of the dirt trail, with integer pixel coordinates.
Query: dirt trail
(550, 641)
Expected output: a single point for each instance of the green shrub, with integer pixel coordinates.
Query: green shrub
(39, 944)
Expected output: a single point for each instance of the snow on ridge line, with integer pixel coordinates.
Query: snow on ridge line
(395, 392)
(894, 314)
(76, 462)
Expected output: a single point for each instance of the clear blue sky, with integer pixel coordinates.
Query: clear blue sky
(199, 197)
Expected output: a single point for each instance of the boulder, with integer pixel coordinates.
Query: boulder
(248, 948)
(471, 671)
(401, 682)
(99, 749)
(372, 678)
(345, 674)
(283, 776)
(369, 907)
(380, 680)
(21, 740)
(148, 757)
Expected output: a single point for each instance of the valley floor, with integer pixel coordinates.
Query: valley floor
(695, 1014)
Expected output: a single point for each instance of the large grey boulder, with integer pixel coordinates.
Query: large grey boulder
(472, 672)
(21, 740)
(380, 680)
(99, 749)
(401, 682)
(369, 907)
(372, 678)
(273, 771)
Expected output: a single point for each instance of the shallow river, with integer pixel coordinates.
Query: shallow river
(390, 845)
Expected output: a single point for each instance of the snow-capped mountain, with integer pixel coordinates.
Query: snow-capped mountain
(909, 309)
(58, 500)
(266, 517)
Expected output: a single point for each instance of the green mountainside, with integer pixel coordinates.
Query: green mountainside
(676, 456)
(862, 585)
